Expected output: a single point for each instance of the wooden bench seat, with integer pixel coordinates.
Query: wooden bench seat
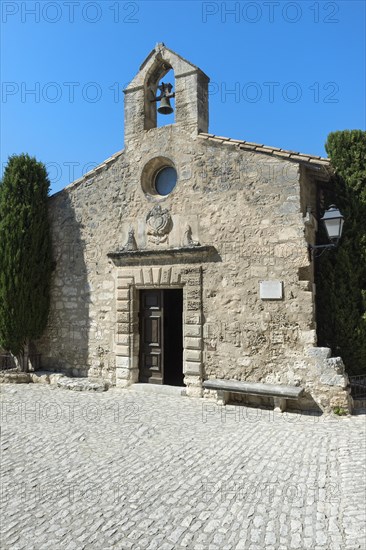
(278, 392)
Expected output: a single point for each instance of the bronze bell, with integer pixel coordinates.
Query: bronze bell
(165, 107)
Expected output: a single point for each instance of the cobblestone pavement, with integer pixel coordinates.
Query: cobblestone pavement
(129, 470)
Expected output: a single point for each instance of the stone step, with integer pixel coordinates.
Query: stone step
(82, 384)
(158, 389)
(14, 377)
(45, 377)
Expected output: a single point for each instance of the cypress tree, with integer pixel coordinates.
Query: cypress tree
(25, 255)
(341, 275)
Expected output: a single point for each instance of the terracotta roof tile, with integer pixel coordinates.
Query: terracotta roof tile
(248, 147)
(284, 154)
(223, 138)
(320, 160)
(251, 143)
(271, 148)
(266, 149)
(297, 156)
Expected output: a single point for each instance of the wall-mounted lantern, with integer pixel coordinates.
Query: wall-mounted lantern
(333, 222)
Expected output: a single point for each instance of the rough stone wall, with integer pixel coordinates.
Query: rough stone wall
(254, 208)
(245, 204)
(85, 219)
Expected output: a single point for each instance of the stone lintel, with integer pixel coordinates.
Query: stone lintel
(189, 254)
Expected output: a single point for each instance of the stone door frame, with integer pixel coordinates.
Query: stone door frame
(127, 338)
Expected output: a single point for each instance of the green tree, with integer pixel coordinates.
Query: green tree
(341, 276)
(25, 255)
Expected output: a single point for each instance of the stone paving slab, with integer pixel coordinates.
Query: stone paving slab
(126, 469)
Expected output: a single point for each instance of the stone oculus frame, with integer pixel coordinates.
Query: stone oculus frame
(129, 282)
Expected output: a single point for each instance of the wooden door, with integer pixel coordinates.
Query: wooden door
(151, 336)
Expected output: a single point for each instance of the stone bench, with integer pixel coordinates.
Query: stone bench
(278, 392)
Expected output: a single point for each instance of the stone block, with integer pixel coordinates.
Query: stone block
(192, 368)
(194, 386)
(123, 328)
(122, 374)
(192, 355)
(124, 282)
(123, 382)
(122, 351)
(55, 377)
(148, 278)
(156, 275)
(308, 337)
(321, 354)
(123, 305)
(192, 318)
(123, 340)
(166, 275)
(192, 330)
(193, 305)
(336, 364)
(15, 377)
(123, 317)
(192, 343)
(331, 379)
(122, 362)
(82, 384)
(40, 377)
(123, 294)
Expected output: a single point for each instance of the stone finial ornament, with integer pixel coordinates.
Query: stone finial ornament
(131, 241)
(187, 239)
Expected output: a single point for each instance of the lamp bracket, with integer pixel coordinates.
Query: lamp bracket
(321, 248)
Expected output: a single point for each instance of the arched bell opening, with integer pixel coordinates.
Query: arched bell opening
(159, 97)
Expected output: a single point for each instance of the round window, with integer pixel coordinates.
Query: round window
(165, 180)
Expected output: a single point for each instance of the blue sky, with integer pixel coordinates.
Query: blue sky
(282, 73)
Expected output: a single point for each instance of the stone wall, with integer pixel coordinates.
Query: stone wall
(255, 208)
(248, 206)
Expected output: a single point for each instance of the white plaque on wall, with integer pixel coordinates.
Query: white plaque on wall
(270, 290)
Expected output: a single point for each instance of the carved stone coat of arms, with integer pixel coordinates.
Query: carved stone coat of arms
(158, 224)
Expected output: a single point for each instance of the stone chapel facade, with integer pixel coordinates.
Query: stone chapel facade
(185, 256)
